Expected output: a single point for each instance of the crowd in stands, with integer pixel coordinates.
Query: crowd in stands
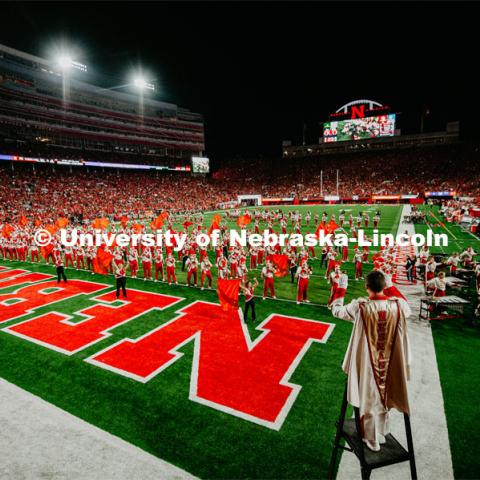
(46, 190)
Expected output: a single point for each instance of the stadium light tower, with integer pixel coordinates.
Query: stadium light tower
(142, 84)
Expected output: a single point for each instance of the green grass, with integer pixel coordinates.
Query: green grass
(457, 346)
(158, 417)
(458, 238)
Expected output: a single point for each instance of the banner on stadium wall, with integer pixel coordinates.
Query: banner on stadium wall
(331, 198)
(441, 194)
(83, 163)
(385, 197)
(406, 197)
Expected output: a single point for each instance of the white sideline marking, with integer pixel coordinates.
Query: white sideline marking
(429, 424)
(40, 440)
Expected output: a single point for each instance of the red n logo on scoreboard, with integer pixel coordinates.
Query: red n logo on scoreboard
(358, 111)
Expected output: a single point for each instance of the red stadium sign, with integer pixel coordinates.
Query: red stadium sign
(360, 109)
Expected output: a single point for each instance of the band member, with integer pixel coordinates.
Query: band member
(292, 264)
(222, 266)
(424, 255)
(376, 219)
(358, 262)
(68, 256)
(377, 371)
(205, 267)
(303, 275)
(147, 264)
(331, 255)
(430, 268)
(192, 267)
(133, 262)
(171, 276)
(120, 279)
(60, 266)
(340, 287)
(158, 261)
(333, 279)
(80, 258)
(268, 272)
(439, 285)
(453, 261)
(33, 252)
(249, 290)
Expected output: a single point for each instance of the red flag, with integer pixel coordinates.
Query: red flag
(37, 222)
(100, 223)
(243, 220)
(46, 250)
(216, 219)
(281, 262)
(228, 293)
(102, 261)
(123, 221)
(51, 229)
(332, 226)
(321, 228)
(137, 227)
(7, 230)
(62, 222)
(23, 221)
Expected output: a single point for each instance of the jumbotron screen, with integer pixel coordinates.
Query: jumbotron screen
(359, 128)
(200, 165)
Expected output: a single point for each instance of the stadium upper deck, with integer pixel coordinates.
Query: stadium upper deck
(35, 108)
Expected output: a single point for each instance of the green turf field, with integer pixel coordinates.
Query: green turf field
(457, 347)
(458, 238)
(158, 416)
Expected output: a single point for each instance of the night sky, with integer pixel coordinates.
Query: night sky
(258, 71)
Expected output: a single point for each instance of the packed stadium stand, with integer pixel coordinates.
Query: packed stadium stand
(57, 151)
(49, 190)
(41, 105)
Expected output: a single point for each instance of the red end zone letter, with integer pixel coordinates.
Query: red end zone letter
(27, 299)
(230, 372)
(55, 331)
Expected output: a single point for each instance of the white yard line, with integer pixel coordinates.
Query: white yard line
(40, 440)
(429, 424)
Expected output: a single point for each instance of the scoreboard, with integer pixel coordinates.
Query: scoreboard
(359, 128)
